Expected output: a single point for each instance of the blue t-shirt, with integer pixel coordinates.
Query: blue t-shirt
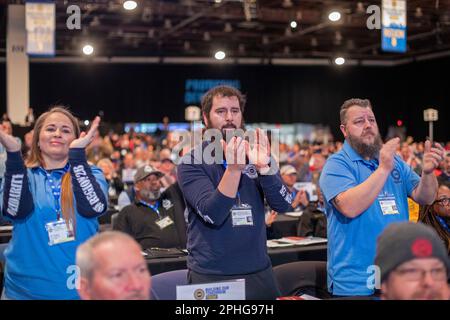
(352, 241)
(34, 269)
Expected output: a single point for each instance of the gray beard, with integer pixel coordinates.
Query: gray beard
(366, 150)
(150, 195)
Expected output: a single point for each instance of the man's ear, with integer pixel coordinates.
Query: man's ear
(343, 130)
(84, 289)
(205, 119)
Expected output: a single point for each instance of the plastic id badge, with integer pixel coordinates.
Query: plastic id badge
(242, 216)
(388, 205)
(164, 222)
(58, 232)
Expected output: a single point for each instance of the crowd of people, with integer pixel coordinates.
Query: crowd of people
(59, 180)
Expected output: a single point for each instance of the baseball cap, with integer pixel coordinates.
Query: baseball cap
(287, 169)
(144, 171)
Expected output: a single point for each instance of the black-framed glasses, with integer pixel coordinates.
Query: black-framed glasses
(443, 202)
(417, 274)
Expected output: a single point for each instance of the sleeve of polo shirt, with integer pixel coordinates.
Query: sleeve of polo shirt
(208, 202)
(410, 178)
(336, 177)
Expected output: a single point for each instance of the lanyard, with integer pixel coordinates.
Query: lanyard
(56, 189)
(237, 193)
(443, 223)
(153, 207)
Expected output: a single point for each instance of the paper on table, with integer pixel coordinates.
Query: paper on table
(301, 240)
(294, 213)
(277, 244)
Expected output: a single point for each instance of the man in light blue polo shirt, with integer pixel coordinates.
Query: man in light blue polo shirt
(365, 186)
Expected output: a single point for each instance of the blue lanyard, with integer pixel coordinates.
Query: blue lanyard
(293, 194)
(56, 189)
(443, 223)
(153, 207)
(238, 195)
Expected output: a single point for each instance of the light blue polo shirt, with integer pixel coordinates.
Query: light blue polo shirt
(352, 241)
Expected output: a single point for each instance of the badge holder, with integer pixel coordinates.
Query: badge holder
(241, 214)
(388, 204)
(58, 232)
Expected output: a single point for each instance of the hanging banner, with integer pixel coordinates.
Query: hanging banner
(393, 30)
(40, 25)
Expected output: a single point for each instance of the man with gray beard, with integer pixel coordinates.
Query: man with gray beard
(365, 187)
(154, 219)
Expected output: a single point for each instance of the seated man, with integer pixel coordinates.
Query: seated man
(313, 221)
(112, 267)
(154, 219)
(413, 263)
(299, 197)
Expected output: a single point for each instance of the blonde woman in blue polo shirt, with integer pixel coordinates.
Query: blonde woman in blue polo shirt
(53, 203)
(365, 186)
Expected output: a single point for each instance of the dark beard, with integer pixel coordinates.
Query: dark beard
(366, 150)
(223, 130)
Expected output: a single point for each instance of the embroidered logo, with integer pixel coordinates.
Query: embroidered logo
(167, 204)
(250, 171)
(395, 174)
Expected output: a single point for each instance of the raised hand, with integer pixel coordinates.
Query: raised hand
(86, 138)
(387, 154)
(432, 157)
(234, 153)
(258, 150)
(8, 141)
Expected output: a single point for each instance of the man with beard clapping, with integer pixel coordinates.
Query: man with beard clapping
(365, 186)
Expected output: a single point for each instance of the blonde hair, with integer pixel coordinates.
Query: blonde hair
(35, 160)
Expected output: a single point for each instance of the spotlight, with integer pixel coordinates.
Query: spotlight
(220, 55)
(88, 49)
(339, 61)
(293, 24)
(334, 16)
(130, 5)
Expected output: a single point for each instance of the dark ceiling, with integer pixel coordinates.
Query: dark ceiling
(242, 28)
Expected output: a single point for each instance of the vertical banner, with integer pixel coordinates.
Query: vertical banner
(40, 25)
(17, 67)
(393, 30)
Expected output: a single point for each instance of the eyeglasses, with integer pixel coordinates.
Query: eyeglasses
(416, 274)
(443, 202)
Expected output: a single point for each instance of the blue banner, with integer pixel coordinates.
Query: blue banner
(393, 32)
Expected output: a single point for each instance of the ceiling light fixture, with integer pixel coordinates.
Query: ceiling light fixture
(130, 5)
(88, 49)
(339, 61)
(334, 16)
(220, 55)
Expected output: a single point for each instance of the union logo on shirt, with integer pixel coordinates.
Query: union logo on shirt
(395, 174)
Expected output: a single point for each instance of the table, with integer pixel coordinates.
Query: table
(317, 252)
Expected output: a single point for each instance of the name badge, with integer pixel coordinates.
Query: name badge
(388, 205)
(242, 216)
(164, 222)
(58, 232)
